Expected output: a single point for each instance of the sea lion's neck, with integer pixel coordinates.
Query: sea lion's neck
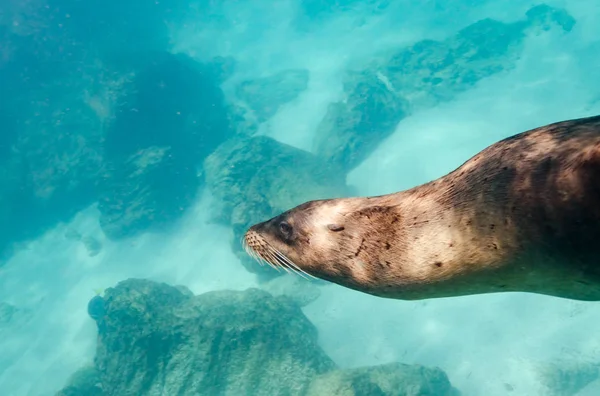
(440, 243)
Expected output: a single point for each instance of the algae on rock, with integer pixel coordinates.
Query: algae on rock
(403, 82)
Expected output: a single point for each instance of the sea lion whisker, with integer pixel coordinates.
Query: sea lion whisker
(250, 252)
(292, 264)
(254, 254)
(259, 260)
(286, 263)
(268, 256)
(248, 249)
(271, 256)
(276, 262)
(264, 260)
(282, 260)
(257, 257)
(285, 266)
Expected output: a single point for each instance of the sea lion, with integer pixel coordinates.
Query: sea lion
(521, 215)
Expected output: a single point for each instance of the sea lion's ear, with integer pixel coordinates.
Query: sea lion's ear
(335, 227)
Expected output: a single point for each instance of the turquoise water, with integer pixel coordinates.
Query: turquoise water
(140, 139)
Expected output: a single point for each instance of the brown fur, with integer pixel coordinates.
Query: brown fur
(521, 215)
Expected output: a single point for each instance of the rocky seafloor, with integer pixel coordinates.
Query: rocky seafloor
(157, 339)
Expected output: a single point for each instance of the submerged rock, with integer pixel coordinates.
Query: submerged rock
(85, 382)
(266, 95)
(394, 379)
(379, 96)
(156, 339)
(51, 169)
(159, 340)
(544, 17)
(171, 118)
(128, 132)
(62, 150)
(91, 244)
(255, 178)
(221, 68)
(567, 378)
(147, 191)
(96, 308)
(171, 100)
(58, 96)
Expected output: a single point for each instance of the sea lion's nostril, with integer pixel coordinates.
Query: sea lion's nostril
(335, 227)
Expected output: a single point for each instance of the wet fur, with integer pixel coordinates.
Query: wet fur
(521, 215)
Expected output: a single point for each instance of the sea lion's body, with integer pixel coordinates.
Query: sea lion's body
(521, 215)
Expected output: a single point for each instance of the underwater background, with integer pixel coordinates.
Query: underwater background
(139, 140)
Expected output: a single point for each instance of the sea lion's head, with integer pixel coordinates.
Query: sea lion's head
(325, 239)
